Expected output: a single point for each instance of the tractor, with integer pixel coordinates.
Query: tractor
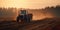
(24, 16)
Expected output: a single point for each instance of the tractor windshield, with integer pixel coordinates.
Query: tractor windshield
(23, 12)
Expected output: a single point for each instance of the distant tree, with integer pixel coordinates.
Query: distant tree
(54, 10)
(57, 10)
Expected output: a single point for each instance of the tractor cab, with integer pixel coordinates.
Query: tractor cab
(23, 12)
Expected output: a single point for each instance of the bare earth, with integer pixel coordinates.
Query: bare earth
(34, 25)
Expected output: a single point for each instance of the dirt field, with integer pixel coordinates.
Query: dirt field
(44, 24)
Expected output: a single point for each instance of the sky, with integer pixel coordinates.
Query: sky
(33, 4)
